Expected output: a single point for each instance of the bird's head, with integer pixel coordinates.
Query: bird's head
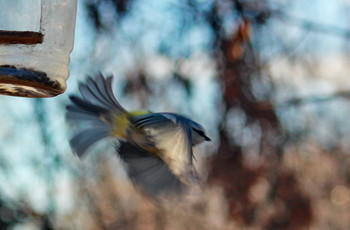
(198, 133)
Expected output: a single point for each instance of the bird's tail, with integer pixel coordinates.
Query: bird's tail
(96, 108)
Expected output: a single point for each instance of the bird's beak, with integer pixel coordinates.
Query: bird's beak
(207, 138)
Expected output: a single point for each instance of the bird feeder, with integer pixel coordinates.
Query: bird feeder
(36, 38)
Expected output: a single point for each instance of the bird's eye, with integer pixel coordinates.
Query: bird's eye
(200, 132)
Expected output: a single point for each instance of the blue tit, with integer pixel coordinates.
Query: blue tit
(156, 147)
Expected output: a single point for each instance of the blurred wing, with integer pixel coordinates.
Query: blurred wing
(148, 171)
(94, 110)
(86, 138)
(97, 101)
(172, 136)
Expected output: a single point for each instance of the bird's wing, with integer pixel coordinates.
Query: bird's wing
(171, 136)
(94, 110)
(97, 100)
(98, 91)
(148, 171)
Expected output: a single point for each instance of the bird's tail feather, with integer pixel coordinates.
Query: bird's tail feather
(96, 107)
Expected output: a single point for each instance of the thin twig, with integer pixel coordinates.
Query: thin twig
(312, 25)
(299, 101)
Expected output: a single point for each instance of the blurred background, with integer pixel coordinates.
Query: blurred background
(267, 78)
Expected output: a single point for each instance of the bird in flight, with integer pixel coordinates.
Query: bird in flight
(155, 147)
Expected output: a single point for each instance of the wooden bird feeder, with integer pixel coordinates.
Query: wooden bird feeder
(36, 38)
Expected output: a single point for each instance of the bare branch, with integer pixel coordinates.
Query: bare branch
(313, 26)
(299, 101)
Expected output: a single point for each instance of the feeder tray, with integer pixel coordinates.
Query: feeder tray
(36, 38)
